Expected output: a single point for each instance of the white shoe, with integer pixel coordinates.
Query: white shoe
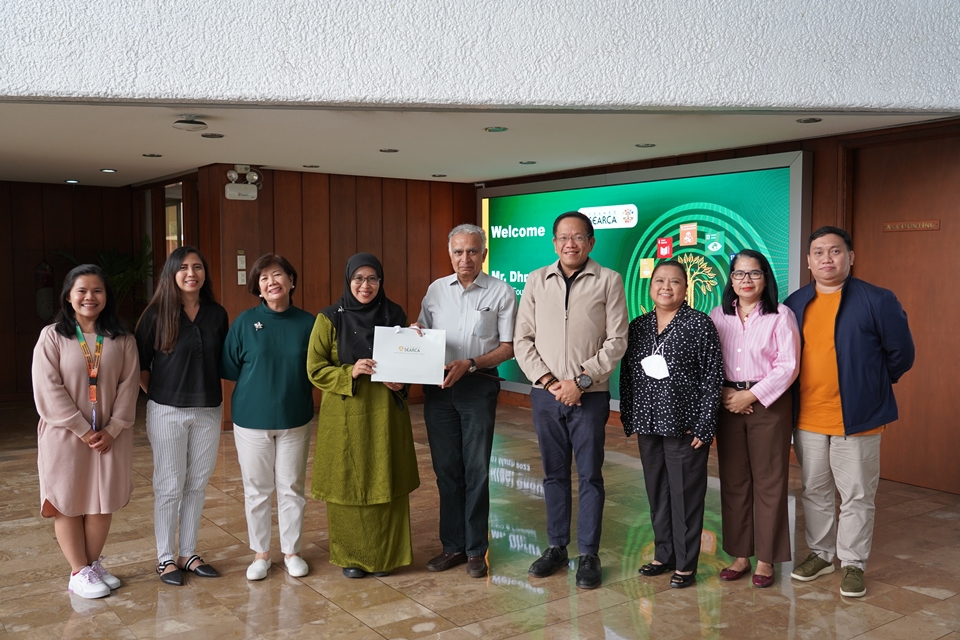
(296, 566)
(87, 584)
(105, 576)
(258, 570)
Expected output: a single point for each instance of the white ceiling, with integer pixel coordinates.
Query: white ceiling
(53, 142)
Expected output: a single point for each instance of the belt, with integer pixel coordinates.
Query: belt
(740, 386)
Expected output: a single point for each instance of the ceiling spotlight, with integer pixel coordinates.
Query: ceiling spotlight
(108, 170)
(72, 181)
(528, 162)
(494, 129)
(189, 123)
(438, 175)
(311, 166)
(212, 136)
(232, 175)
(389, 150)
(809, 120)
(152, 155)
(645, 145)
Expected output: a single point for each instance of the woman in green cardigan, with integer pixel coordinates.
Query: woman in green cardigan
(364, 465)
(272, 406)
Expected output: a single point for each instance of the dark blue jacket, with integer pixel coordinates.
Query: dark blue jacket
(874, 348)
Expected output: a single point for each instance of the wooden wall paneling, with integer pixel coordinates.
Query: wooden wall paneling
(370, 216)
(664, 162)
(58, 228)
(784, 147)
(287, 223)
(465, 209)
(191, 211)
(692, 158)
(395, 241)
(901, 181)
(241, 233)
(26, 210)
(118, 219)
(26, 223)
(88, 223)
(343, 226)
(418, 245)
(722, 154)
(823, 209)
(158, 217)
(747, 152)
(266, 206)
(316, 282)
(441, 222)
(211, 181)
(8, 374)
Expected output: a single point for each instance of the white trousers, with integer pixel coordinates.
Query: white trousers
(850, 465)
(184, 442)
(273, 459)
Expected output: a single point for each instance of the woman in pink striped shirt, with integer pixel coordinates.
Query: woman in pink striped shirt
(761, 345)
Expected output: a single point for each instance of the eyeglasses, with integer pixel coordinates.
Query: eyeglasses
(359, 280)
(753, 275)
(577, 239)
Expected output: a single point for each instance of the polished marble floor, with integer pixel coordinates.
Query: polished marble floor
(913, 579)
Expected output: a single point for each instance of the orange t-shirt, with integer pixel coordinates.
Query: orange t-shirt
(820, 407)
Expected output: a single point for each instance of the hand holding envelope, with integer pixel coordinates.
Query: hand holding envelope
(404, 356)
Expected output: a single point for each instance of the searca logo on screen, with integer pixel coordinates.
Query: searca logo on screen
(616, 216)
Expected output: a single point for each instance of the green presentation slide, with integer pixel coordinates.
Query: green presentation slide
(700, 221)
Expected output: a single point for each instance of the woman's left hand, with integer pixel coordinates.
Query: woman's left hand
(394, 386)
(101, 441)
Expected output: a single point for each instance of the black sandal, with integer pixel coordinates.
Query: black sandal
(202, 570)
(651, 569)
(680, 581)
(174, 577)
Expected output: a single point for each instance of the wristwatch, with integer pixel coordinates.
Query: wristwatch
(584, 382)
(473, 366)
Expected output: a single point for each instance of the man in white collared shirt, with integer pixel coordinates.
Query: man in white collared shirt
(477, 311)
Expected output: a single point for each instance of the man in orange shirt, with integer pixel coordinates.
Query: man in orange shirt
(855, 344)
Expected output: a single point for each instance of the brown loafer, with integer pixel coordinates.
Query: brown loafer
(476, 566)
(446, 560)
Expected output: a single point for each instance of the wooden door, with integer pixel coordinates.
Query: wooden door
(916, 181)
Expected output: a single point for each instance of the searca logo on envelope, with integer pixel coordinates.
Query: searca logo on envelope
(403, 349)
(616, 216)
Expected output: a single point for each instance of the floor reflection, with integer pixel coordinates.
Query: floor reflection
(913, 579)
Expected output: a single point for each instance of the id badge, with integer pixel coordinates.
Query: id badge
(655, 367)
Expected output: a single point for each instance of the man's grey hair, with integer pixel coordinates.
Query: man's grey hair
(462, 229)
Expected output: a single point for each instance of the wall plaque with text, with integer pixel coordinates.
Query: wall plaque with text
(912, 225)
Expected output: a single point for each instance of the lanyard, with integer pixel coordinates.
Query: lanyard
(93, 368)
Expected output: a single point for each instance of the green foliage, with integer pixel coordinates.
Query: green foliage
(125, 270)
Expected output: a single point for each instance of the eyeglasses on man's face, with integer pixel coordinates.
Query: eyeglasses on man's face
(370, 280)
(753, 275)
(579, 239)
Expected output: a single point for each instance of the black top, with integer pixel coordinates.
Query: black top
(188, 376)
(688, 398)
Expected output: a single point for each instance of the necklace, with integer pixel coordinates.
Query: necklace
(743, 311)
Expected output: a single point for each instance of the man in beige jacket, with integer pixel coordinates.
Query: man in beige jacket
(571, 332)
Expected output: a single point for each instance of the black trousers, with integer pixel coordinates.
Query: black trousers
(675, 475)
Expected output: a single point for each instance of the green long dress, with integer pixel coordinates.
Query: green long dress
(364, 465)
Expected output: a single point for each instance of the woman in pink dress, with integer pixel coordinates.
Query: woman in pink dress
(85, 385)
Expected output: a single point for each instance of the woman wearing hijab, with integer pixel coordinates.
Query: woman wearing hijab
(364, 465)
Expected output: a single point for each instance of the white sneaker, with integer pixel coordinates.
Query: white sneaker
(87, 584)
(105, 576)
(296, 566)
(258, 570)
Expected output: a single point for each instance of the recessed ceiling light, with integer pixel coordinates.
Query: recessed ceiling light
(189, 124)
(389, 150)
(212, 136)
(645, 145)
(108, 170)
(72, 181)
(495, 129)
(809, 120)
(152, 155)
(528, 162)
(311, 166)
(438, 175)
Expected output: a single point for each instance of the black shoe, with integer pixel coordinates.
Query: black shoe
(552, 559)
(679, 581)
(588, 572)
(380, 574)
(354, 572)
(200, 568)
(446, 560)
(651, 569)
(174, 577)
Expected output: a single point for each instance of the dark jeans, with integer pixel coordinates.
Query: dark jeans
(564, 433)
(675, 475)
(460, 430)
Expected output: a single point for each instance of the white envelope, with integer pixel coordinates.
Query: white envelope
(404, 356)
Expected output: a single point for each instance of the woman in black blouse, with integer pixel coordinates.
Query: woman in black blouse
(180, 338)
(670, 382)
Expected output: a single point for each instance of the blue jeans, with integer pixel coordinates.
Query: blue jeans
(563, 433)
(460, 423)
